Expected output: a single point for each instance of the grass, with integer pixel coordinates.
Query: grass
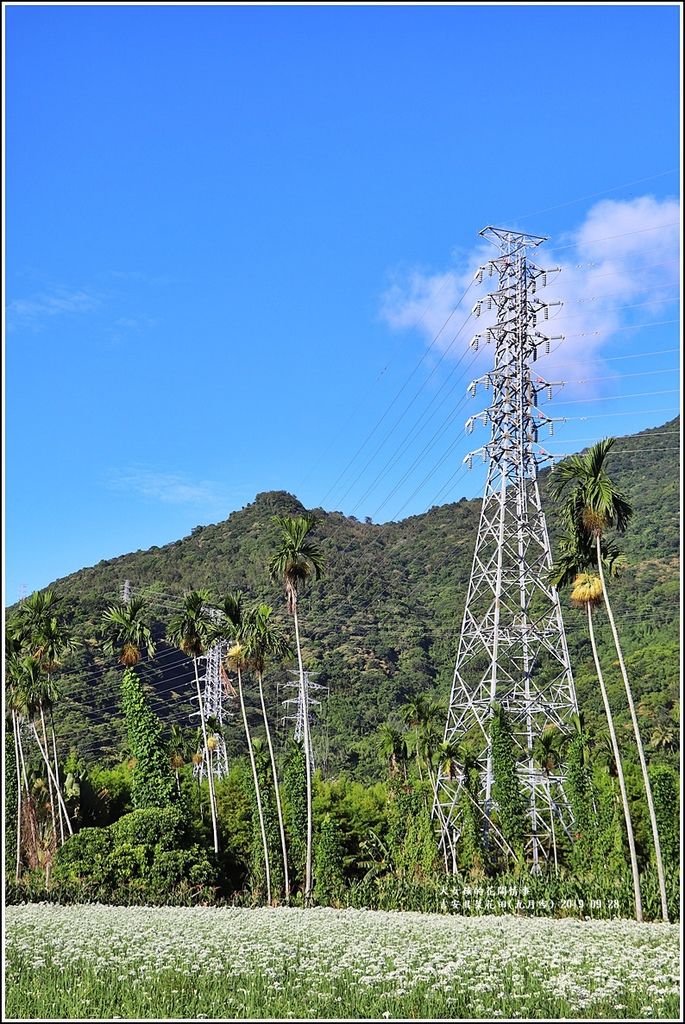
(107, 962)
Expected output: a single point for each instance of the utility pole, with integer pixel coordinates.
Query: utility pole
(512, 646)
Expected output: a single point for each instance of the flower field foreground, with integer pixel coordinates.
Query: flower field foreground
(138, 962)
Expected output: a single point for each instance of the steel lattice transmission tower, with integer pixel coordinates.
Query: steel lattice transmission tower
(512, 647)
(302, 705)
(217, 695)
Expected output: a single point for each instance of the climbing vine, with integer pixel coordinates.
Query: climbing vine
(152, 784)
(506, 790)
(666, 804)
(328, 863)
(295, 810)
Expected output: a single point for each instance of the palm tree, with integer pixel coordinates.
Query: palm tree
(47, 639)
(664, 736)
(234, 629)
(52, 640)
(191, 630)
(297, 560)
(32, 686)
(266, 640)
(392, 747)
(546, 753)
(427, 717)
(431, 728)
(593, 505)
(587, 593)
(412, 714)
(13, 651)
(126, 631)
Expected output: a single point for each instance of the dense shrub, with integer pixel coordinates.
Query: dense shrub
(666, 804)
(328, 864)
(11, 801)
(146, 854)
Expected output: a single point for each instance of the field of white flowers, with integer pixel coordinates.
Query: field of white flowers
(97, 961)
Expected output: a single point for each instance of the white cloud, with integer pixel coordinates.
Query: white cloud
(618, 268)
(35, 311)
(169, 488)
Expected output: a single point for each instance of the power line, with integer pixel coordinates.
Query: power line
(622, 234)
(405, 410)
(615, 309)
(412, 434)
(591, 265)
(100, 716)
(572, 440)
(616, 330)
(398, 452)
(639, 355)
(613, 398)
(452, 447)
(416, 324)
(593, 195)
(620, 376)
(401, 390)
(624, 451)
(625, 412)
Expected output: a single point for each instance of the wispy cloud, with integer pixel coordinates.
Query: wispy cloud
(36, 311)
(619, 268)
(115, 314)
(169, 488)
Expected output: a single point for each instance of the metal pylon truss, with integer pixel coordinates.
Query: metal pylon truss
(297, 707)
(512, 647)
(217, 697)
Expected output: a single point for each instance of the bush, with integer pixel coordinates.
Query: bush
(84, 855)
(163, 827)
(146, 855)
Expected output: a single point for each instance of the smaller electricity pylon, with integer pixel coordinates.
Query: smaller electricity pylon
(300, 706)
(217, 694)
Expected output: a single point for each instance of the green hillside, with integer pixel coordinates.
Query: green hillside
(383, 624)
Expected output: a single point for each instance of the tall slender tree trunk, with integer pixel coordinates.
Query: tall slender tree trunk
(46, 759)
(308, 883)
(199, 799)
(23, 762)
(212, 802)
(52, 799)
(30, 816)
(279, 809)
(619, 770)
(638, 740)
(255, 777)
(551, 821)
(56, 763)
(16, 760)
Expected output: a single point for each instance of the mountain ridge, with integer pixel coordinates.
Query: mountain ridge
(383, 624)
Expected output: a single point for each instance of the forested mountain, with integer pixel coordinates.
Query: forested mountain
(383, 624)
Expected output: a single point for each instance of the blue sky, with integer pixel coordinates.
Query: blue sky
(233, 234)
